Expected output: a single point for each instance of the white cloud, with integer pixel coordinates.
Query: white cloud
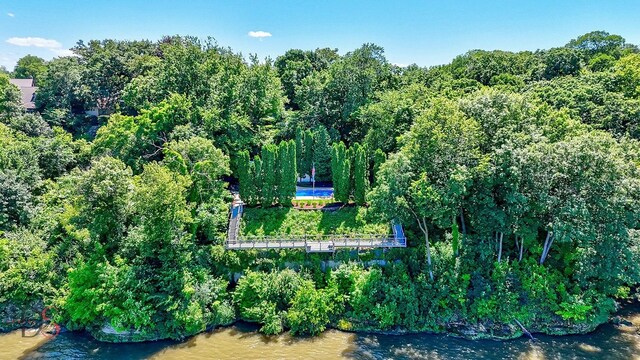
(63, 52)
(49, 44)
(259, 34)
(34, 41)
(10, 14)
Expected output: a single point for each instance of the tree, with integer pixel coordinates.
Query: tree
(27, 268)
(379, 157)
(265, 297)
(280, 168)
(138, 139)
(108, 66)
(307, 164)
(20, 176)
(444, 144)
(384, 120)
(196, 156)
(293, 67)
(203, 162)
(160, 201)
(300, 150)
(331, 96)
(287, 177)
(61, 87)
(482, 66)
(572, 187)
(350, 165)
(426, 181)
(261, 97)
(590, 100)
(361, 174)
(269, 156)
(30, 124)
(321, 154)
(10, 100)
(157, 264)
(291, 178)
(30, 67)
(398, 198)
(601, 62)
(598, 42)
(340, 170)
(105, 200)
(561, 62)
(129, 138)
(296, 65)
(627, 70)
(310, 310)
(236, 102)
(259, 179)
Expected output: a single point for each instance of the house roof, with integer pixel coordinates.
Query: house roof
(28, 92)
(22, 82)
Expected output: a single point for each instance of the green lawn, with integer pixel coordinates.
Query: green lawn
(277, 221)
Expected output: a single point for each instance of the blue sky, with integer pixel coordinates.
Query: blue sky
(421, 32)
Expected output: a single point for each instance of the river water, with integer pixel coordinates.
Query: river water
(242, 342)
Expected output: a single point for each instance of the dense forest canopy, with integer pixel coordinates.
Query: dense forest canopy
(515, 174)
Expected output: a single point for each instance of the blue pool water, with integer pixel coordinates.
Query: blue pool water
(318, 192)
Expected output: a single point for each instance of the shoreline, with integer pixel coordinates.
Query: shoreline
(471, 332)
(467, 331)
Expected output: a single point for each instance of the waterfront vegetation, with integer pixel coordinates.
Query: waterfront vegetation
(515, 175)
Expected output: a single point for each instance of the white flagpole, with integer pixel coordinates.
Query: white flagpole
(313, 180)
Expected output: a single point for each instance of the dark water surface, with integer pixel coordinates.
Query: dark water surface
(242, 342)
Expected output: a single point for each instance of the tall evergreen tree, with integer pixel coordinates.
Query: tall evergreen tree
(336, 164)
(300, 150)
(284, 170)
(308, 154)
(269, 174)
(287, 185)
(340, 172)
(360, 175)
(346, 180)
(258, 179)
(293, 179)
(252, 187)
(351, 156)
(322, 154)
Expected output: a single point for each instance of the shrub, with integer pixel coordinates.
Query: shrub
(309, 312)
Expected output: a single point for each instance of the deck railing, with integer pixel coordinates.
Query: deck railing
(314, 243)
(311, 243)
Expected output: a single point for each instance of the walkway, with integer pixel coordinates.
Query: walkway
(234, 219)
(311, 243)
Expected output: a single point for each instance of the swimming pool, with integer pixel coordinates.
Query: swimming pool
(305, 192)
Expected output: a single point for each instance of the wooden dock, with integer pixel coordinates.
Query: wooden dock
(310, 243)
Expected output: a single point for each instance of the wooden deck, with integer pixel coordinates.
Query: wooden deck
(310, 243)
(315, 244)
